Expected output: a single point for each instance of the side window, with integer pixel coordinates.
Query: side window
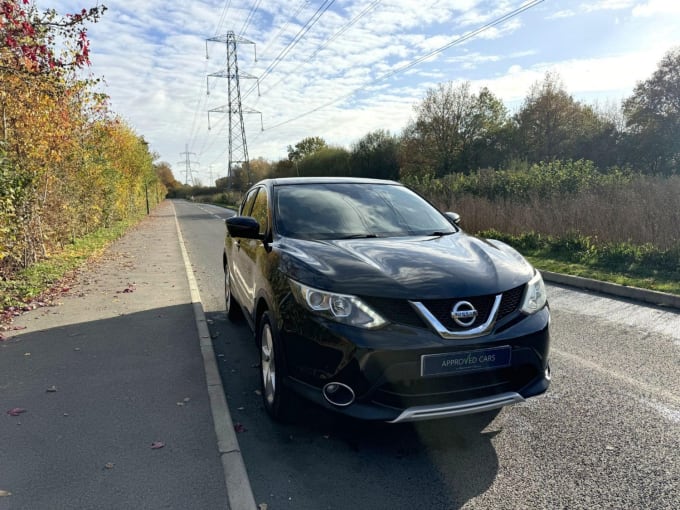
(261, 210)
(247, 203)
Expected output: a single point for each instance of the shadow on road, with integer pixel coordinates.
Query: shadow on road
(325, 461)
(97, 395)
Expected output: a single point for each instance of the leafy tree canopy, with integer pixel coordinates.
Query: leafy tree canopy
(306, 147)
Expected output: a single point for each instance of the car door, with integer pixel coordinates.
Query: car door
(254, 249)
(238, 265)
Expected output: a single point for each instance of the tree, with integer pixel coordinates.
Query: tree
(376, 155)
(452, 124)
(305, 147)
(165, 175)
(29, 38)
(552, 125)
(68, 166)
(326, 161)
(487, 134)
(653, 116)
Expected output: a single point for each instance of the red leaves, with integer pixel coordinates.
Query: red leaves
(239, 428)
(30, 36)
(157, 445)
(16, 411)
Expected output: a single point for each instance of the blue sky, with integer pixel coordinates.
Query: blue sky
(151, 55)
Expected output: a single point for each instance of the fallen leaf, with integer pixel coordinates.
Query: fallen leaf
(258, 392)
(157, 444)
(52, 389)
(238, 427)
(18, 328)
(16, 411)
(4, 494)
(109, 465)
(262, 506)
(129, 289)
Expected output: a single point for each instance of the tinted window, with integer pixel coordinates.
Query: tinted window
(332, 211)
(247, 203)
(261, 210)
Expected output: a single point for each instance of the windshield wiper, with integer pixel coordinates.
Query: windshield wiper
(358, 236)
(439, 233)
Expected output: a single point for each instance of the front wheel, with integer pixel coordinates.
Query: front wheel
(275, 395)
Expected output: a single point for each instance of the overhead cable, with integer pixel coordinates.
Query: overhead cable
(417, 61)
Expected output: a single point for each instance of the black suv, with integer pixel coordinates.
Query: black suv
(367, 300)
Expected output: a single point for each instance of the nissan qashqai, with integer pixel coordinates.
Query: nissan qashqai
(367, 300)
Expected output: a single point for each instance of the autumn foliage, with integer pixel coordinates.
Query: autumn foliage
(68, 166)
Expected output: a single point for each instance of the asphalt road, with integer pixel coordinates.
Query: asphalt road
(606, 435)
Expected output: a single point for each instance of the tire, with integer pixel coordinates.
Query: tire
(275, 396)
(232, 307)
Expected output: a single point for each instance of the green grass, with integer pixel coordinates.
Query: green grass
(38, 279)
(659, 280)
(642, 266)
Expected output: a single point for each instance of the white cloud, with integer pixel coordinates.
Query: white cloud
(152, 55)
(655, 7)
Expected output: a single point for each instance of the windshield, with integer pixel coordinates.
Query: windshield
(352, 210)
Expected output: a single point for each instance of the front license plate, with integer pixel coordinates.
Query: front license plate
(465, 361)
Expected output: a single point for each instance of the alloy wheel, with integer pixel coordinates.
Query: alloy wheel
(268, 364)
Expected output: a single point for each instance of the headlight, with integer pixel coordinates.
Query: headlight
(339, 307)
(534, 296)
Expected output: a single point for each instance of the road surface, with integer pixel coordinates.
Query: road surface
(606, 435)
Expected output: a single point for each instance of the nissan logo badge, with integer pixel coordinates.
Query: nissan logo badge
(464, 314)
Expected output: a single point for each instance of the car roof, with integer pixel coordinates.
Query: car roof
(285, 181)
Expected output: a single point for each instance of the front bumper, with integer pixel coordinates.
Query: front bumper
(383, 367)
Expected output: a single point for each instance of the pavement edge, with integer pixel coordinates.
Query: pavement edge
(239, 491)
(651, 297)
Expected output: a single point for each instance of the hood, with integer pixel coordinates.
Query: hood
(455, 265)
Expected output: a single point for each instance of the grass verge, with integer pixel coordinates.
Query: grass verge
(642, 266)
(35, 282)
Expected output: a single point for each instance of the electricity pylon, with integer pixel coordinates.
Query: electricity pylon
(238, 147)
(188, 175)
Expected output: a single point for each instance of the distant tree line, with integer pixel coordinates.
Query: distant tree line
(458, 131)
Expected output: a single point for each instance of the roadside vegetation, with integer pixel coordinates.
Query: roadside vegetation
(592, 190)
(72, 174)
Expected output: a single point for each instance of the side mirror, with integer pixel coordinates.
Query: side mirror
(453, 218)
(243, 226)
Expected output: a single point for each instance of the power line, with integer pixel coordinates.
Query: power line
(285, 26)
(417, 61)
(250, 17)
(223, 16)
(332, 38)
(298, 37)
